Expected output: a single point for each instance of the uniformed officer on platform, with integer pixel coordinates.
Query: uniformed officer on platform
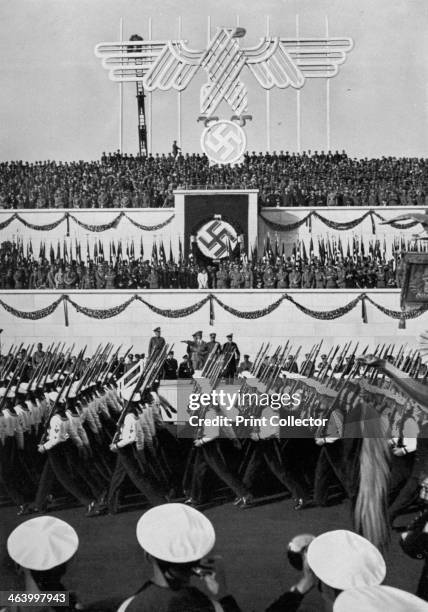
(232, 357)
(214, 347)
(156, 342)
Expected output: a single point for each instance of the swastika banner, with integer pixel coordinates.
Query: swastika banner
(215, 221)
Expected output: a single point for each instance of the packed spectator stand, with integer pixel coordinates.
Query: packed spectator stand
(364, 273)
(286, 179)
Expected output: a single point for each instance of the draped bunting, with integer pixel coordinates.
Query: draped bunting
(326, 315)
(47, 227)
(253, 314)
(335, 225)
(177, 312)
(35, 314)
(174, 313)
(100, 313)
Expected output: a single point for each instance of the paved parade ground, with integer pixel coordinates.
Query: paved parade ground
(110, 563)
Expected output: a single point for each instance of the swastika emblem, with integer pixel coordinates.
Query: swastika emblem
(216, 239)
(223, 142)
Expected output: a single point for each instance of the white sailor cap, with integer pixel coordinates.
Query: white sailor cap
(49, 379)
(11, 392)
(73, 390)
(378, 597)
(344, 560)
(52, 395)
(176, 533)
(22, 388)
(34, 385)
(2, 391)
(42, 543)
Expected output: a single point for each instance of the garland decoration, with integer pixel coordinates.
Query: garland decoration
(35, 314)
(98, 228)
(176, 313)
(150, 228)
(47, 227)
(251, 314)
(335, 225)
(99, 313)
(327, 315)
(171, 313)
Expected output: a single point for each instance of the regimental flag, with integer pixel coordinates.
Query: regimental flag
(141, 248)
(276, 254)
(340, 249)
(180, 252)
(155, 259)
(95, 251)
(65, 251)
(362, 248)
(58, 251)
(30, 249)
(88, 255)
(304, 254)
(294, 252)
(113, 251)
(51, 254)
(348, 250)
(171, 256)
(110, 255)
(41, 250)
(321, 250)
(100, 250)
(162, 255)
(311, 248)
(254, 253)
(132, 250)
(119, 250)
(283, 257)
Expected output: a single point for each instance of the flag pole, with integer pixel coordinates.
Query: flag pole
(327, 95)
(298, 107)
(267, 96)
(121, 93)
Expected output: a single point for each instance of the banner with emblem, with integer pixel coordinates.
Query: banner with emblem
(215, 225)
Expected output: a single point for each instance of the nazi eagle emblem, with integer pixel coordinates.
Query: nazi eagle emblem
(274, 62)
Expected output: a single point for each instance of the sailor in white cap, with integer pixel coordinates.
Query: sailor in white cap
(129, 459)
(379, 597)
(297, 557)
(343, 560)
(176, 538)
(42, 547)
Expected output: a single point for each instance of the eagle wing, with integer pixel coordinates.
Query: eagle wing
(158, 64)
(284, 62)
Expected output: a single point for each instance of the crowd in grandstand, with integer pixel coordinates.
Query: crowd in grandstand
(363, 273)
(283, 179)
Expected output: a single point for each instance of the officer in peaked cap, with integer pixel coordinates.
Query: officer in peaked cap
(42, 547)
(175, 539)
(232, 357)
(156, 343)
(214, 347)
